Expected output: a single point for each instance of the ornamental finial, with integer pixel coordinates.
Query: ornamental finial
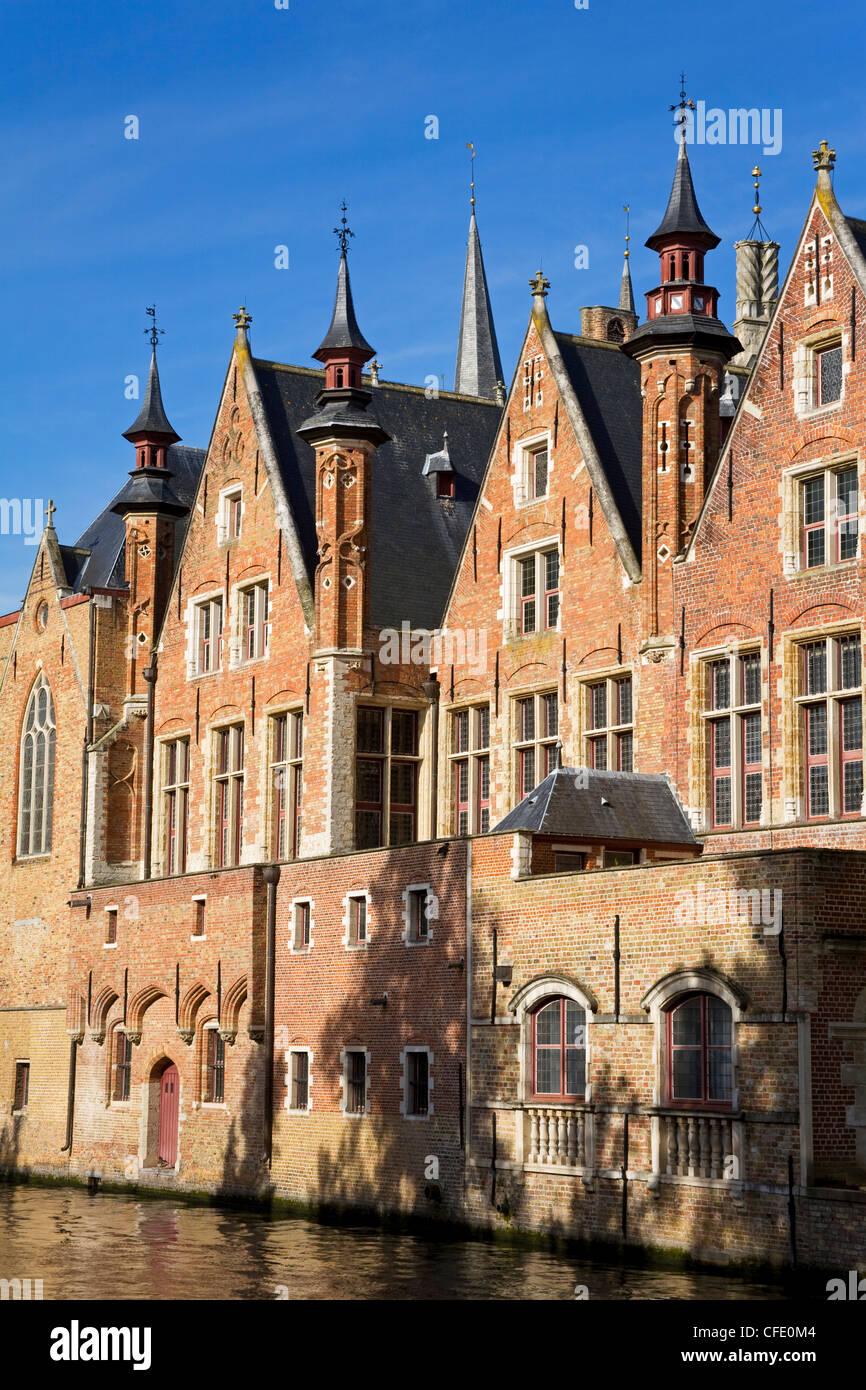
(823, 157)
(153, 332)
(539, 285)
(343, 232)
(681, 107)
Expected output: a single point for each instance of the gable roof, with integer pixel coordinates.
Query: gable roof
(603, 807)
(607, 386)
(416, 537)
(98, 557)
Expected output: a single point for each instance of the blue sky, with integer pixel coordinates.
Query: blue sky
(255, 122)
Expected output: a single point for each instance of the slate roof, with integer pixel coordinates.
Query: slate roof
(152, 419)
(603, 807)
(97, 558)
(416, 537)
(344, 331)
(607, 386)
(479, 369)
(682, 213)
(858, 231)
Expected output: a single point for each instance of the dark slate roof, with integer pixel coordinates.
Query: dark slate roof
(344, 331)
(97, 559)
(152, 419)
(698, 330)
(603, 807)
(479, 369)
(682, 213)
(858, 230)
(417, 537)
(607, 385)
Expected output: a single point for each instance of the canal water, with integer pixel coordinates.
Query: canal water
(120, 1247)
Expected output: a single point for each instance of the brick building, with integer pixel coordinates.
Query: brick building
(452, 802)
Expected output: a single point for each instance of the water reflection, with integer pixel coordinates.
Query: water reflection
(117, 1247)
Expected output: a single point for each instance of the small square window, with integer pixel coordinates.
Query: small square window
(358, 920)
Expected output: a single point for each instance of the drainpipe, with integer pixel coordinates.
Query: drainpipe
(149, 673)
(432, 691)
(70, 1095)
(88, 739)
(271, 876)
(468, 1088)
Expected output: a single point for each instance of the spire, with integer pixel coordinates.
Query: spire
(344, 331)
(479, 369)
(626, 296)
(152, 421)
(682, 214)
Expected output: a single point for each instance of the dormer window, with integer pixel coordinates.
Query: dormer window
(444, 484)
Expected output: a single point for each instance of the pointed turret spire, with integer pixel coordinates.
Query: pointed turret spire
(344, 331)
(479, 369)
(682, 215)
(152, 421)
(626, 294)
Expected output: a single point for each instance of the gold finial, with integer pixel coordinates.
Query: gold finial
(470, 146)
(756, 175)
(242, 318)
(625, 208)
(539, 285)
(823, 157)
(49, 512)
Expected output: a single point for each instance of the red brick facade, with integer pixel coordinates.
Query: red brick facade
(629, 596)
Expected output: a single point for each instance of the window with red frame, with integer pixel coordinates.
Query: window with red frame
(735, 739)
(287, 780)
(538, 593)
(386, 776)
(831, 668)
(471, 770)
(230, 794)
(537, 739)
(559, 1050)
(208, 636)
(255, 628)
(699, 1040)
(176, 804)
(610, 736)
(829, 504)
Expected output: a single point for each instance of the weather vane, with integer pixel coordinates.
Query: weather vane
(470, 146)
(682, 106)
(153, 332)
(343, 232)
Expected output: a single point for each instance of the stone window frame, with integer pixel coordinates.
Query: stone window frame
(290, 711)
(255, 580)
(290, 1052)
(113, 1031)
(211, 1025)
(404, 1082)
(230, 493)
(161, 797)
(539, 742)
(473, 756)
(522, 455)
(195, 604)
(49, 730)
(610, 675)
(523, 1005)
(387, 757)
(432, 905)
(111, 909)
(804, 377)
(700, 789)
(344, 1081)
(200, 909)
(305, 900)
(793, 761)
(657, 1002)
(354, 894)
(511, 596)
(234, 778)
(792, 523)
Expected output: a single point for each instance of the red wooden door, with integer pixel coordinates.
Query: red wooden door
(168, 1098)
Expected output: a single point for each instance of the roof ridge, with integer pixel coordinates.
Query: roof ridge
(267, 363)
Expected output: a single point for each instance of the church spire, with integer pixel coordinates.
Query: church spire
(479, 369)
(626, 294)
(151, 432)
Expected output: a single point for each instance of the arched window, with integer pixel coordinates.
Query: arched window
(615, 331)
(558, 1050)
(699, 1059)
(36, 783)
